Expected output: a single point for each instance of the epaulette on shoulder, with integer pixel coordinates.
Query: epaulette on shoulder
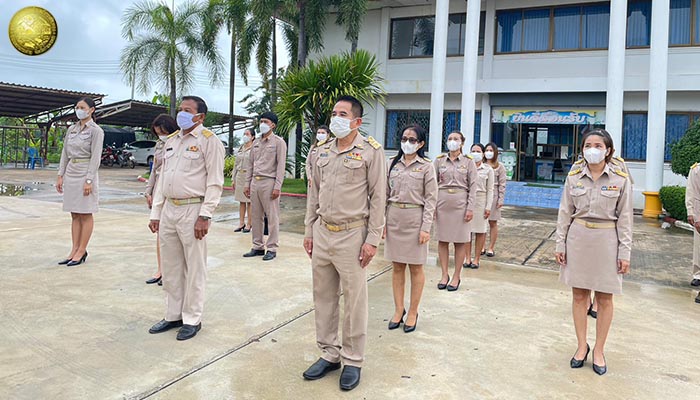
(694, 165)
(372, 142)
(618, 158)
(441, 156)
(207, 133)
(469, 156)
(427, 159)
(173, 134)
(575, 171)
(321, 143)
(621, 173)
(579, 162)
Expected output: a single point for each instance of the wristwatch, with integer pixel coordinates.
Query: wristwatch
(89, 181)
(204, 218)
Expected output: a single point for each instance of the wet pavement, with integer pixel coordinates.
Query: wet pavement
(81, 333)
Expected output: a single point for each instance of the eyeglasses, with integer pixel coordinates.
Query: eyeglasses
(411, 140)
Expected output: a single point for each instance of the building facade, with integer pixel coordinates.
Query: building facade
(538, 74)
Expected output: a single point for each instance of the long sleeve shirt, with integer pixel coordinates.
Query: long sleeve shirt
(83, 143)
(268, 159)
(459, 173)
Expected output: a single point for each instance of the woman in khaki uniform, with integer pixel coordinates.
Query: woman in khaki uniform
(77, 178)
(239, 180)
(482, 208)
(499, 194)
(411, 199)
(594, 240)
(163, 126)
(457, 176)
(322, 135)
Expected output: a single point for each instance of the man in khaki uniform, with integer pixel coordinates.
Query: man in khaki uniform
(344, 224)
(692, 204)
(264, 178)
(188, 191)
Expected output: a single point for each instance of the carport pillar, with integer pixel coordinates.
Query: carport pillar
(471, 57)
(616, 71)
(437, 96)
(656, 128)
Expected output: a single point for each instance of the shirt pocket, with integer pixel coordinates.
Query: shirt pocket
(609, 200)
(193, 160)
(415, 180)
(353, 171)
(322, 165)
(580, 198)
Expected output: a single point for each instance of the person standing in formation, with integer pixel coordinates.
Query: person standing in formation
(482, 207)
(411, 201)
(344, 223)
(499, 194)
(457, 183)
(322, 135)
(264, 179)
(163, 127)
(78, 179)
(692, 204)
(187, 193)
(239, 180)
(594, 240)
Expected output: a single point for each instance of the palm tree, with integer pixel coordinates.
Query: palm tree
(351, 14)
(232, 14)
(164, 46)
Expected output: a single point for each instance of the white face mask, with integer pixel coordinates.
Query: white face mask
(245, 139)
(265, 128)
(184, 120)
(409, 148)
(320, 137)
(453, 145)
(81, 114)
(341, 126)
(477, 156)
(593, 155)
(489, 155)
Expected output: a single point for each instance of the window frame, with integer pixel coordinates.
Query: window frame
(692, 115)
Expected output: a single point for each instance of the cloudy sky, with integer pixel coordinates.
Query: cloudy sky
(86, 54)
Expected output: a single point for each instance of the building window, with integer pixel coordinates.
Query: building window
(634, 140)
(396, 120)
(680, 24)
(414, 37)
(639, 23)
(596, 26)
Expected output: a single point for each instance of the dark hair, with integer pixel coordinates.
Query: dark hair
(607, 140)
(201, 104)
(479, 145)
(422, 135)
(165, 122)
(495, 153)
(91, 104)
(324, 127)
(461, 135)
(269, 115)
(356, 106)
(249, 130)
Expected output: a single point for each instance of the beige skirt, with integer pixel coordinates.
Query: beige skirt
(73, 182)
(479, 223)
(240, 187)
(402, 233)
(591, 260)
(450, 224)
(495, 211)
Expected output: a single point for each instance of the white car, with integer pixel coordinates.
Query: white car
(142, 150)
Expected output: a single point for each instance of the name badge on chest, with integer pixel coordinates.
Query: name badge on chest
(610, 189)
(353, 156)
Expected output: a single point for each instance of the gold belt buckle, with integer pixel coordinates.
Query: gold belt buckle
(333, 228)
(451, 191)
(257, 178)
(590, 225)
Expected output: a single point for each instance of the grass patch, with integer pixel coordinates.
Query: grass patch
(296, 186)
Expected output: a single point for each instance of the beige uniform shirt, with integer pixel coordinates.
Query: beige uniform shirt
(349, 186)
(499, 184)
(242, 161)
(268, 158)
(460, 173)
(414, 183)
(85, 143)
(609, 199)
(692, 192)
(485, 183)
(311, 159)
(155, 169)
(193, 166)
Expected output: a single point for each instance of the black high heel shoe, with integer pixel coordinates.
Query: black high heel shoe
(394, 325)
(64, 262)
(598, 369)
(451, 288)
(442, 286)
(72, 263)
(154, 280)
(410, 328)
(579, 363)
(240, 228)
(592, 313)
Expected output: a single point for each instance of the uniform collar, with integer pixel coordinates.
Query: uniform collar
(358, 142)
(587, 172)
(418, 159)
(195, 132)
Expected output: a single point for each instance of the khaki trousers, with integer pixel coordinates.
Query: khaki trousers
(335, 267)
(184, 263)
(696, 254)
(262, 205)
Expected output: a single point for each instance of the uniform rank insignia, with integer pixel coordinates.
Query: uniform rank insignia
(193, 148)
(610, 189)
(416, 169)
(354, 156)
(579, 184)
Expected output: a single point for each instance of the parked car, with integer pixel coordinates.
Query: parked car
(142, 150)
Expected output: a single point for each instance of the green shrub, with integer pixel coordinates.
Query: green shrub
(686, 151)
(229, 163)
(673, 201)
(53, 158)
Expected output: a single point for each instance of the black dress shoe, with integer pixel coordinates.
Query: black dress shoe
(246, 230)
(598, 369)
(160, 282)
(64, 262)
(254, 253)
(592, 313)
(188, 331)
(579, 363)
(442, 286)
(319, 369)
(164, 325)
(154, 280)
(467, 265)
(394, 325)
(695, 282)
(270, 255)
(697, 299)
(239, 229)
(72, 263)
(451, 288)
(350, 377)
(410, 328)
(474, 266)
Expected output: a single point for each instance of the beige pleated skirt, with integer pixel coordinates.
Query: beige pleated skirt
(450, 224)
(495, 211)
(73, 183)
(240, 187)
(479, 223)
(591, 260)
(402, 233)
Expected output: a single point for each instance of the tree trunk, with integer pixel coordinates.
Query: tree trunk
(231, 92)
(173, 89)
(273, 82)
(353, 46)
(301, 44)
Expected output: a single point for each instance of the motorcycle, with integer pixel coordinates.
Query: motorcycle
(108, 156)
(125, 158)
